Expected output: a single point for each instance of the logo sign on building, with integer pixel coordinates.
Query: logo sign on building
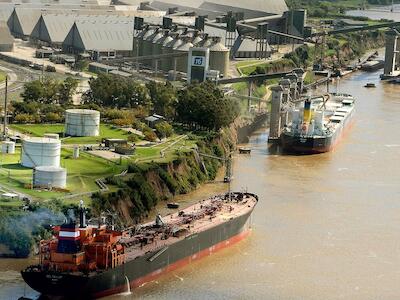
(198, 62)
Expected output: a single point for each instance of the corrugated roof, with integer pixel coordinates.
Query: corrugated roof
(266, 6)
(104, 35)
(55, 27)
(5, 35)
(24, 20)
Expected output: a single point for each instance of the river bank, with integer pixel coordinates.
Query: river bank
(325, 227)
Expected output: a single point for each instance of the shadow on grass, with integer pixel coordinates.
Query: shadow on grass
(14, 167)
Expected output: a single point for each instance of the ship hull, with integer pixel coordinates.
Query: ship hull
(142, 269)
(314, 145)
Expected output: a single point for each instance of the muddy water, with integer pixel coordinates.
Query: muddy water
(326, 226)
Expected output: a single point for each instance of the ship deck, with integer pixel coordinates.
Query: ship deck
(230, 209)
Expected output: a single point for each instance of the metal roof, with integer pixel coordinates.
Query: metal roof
(22, 21)
(102, 36)
(5, 35)
(216, 7)
(55, 27)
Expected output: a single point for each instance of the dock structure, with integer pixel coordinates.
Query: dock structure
(288, 91)
(392, 55)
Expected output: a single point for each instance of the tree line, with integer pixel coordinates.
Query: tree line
(124, 100)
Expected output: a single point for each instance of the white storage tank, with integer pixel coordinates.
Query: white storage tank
(8, 147)
(82, 122)
(38, 151)
(49, 177)
(54, 136)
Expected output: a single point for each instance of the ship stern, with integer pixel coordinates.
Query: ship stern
(55, 283)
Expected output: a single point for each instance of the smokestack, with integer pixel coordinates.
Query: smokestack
(82, 215)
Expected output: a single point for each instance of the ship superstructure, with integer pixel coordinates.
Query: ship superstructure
(318, 126)
(86, 262)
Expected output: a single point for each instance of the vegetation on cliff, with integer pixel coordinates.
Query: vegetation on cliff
(146, 184)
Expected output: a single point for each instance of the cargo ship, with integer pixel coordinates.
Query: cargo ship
(319, 125)
(88, 262)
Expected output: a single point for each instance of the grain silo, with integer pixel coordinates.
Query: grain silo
(148, 44)
(82, 122)
(183, 48)
(168, 62)
(49, 177)
(8, 147)
(154, 50)
(161, 43)
(143, 46)
(219, 57)
(38, 151)
(138, 40)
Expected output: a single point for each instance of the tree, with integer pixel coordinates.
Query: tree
(164, 130)
(50, 91)
(149, 135)
(205, 105)
(66, 90)
(109, 91)
(163, 97)
(52, 117)
(23, 118)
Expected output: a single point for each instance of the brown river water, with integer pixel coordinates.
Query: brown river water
(326, 226)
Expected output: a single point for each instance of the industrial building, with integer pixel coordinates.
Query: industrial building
(214, 8)
(392, 54)
(6, 39)
(103, 40)
(229, 29)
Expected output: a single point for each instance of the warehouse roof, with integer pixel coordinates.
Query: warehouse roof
(89, 35)
(55, 27)
(210, 6)
(22, 21)
(5, 36)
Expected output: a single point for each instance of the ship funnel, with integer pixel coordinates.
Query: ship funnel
(82, 215)
(307, 111)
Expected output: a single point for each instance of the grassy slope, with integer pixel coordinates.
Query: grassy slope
(81, 173)
(106, 131)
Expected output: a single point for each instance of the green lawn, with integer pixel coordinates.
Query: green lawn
(106, 131)
(81, 174)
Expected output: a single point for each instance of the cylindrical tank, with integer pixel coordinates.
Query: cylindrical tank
(38, 151)
(219, 57)
(168, 62)
(82, 122)
(148, 43)
(8, 147)
(76, 152)
(52, 136)
(159, 44)
(145, 45)
(139, 41)
(155, 38)
(183, 48)
(49, 177)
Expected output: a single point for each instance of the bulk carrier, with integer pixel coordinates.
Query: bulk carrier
(318, 126)
(86, 262)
